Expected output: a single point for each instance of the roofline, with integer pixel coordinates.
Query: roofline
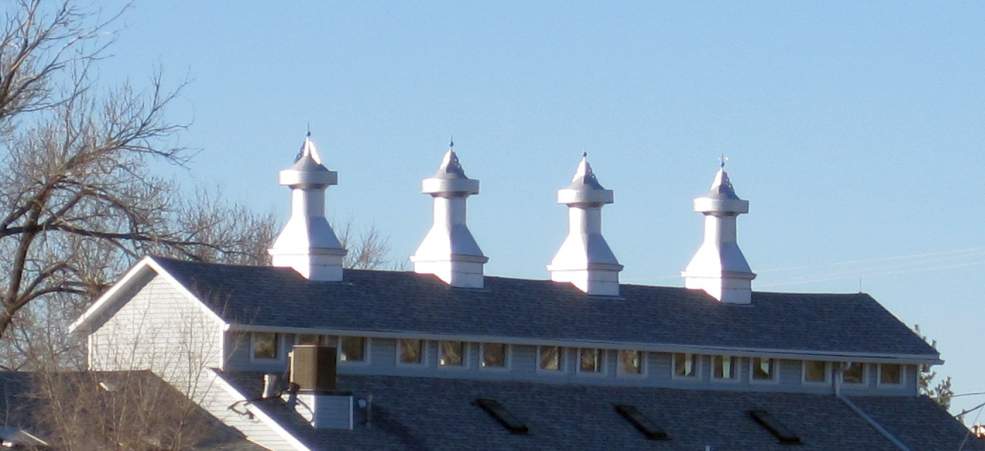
(107, 299)
(795, 354)
(269, 421)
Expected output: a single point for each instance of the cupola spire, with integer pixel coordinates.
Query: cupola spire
(719, 267)
(307, 243)
(584, 258)
(449, 251)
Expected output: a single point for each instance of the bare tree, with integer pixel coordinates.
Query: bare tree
(368, 250)
(78, 201)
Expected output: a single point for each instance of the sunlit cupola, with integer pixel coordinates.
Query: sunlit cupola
(449, 251)
(585, 259)
(719, 267)
(308, 244)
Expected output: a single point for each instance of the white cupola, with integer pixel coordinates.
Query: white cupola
(449, 251)
(585, 259)
(308, 243)
(719, 267)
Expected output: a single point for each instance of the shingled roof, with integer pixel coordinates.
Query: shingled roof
(438, 414)
(395, 301)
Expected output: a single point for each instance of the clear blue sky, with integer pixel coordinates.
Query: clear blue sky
(856, 129)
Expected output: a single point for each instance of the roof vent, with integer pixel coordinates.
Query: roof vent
(308, 244)
(314, 396)
(781, 432)
(585, 259)
(719, 267)
(503, 416)
(641, 422)
(313, 368)
(449, 251)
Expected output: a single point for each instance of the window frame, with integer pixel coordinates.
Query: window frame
(696, 361)
(562, 360)
(865, 376)
(465, 355)
(736, 369)
(424, 353)
(279, 353)
(601, 353)
(774, 376)
(507, 358)
(902, 376)
(366, 351)
(803, 373)
(643, 365)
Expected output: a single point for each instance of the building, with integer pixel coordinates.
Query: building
(447, 357)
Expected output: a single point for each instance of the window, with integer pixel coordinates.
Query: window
(631, 362)
(815, 372)
(853, 373)
(451, 353)
(890, 374)
(265, 345)
(352, 349)
(549, 358)
(410, 351)
(723, 367)
(590, 360)
(494, 355)
(763, 369)
(685, 365)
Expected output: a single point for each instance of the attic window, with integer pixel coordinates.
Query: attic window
(685, 366)
(503, 416)
(265, 345)
(779, 430)
(724, 367)
(549, 358)
(631, 362)
(853, 373)
(890, 374)
(815, 372)
(410, 351)
(494, 355)
(763, 370)
(451, 353)
(640, 422)
(352, 349)
(590, 360)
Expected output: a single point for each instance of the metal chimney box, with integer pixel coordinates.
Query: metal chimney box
(313, 368)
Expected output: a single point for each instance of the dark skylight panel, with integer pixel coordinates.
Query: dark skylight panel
(503, 416)
(774, 426)
(641, 422)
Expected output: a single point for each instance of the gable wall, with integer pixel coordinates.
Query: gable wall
(159, 329)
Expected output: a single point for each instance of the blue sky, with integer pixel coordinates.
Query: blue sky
(855, 129)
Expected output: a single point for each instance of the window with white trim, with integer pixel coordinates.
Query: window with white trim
(451, 353)
(685, 365)
(763, 369)
(410, 351)
(549, 358)
(723, 367)
(815, 372)
(631, 362)
(853, 373)
(265, 345)
(890, 374)
(590, 360)
(494, 355)
(352, 349)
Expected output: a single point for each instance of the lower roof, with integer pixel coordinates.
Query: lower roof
(438, 414)
(397, 301)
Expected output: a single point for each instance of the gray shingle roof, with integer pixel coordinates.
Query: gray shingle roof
(437, 414)
(389, 301)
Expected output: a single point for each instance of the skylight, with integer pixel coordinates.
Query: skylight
(778, 429)
(503, 416)
(641, 422)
